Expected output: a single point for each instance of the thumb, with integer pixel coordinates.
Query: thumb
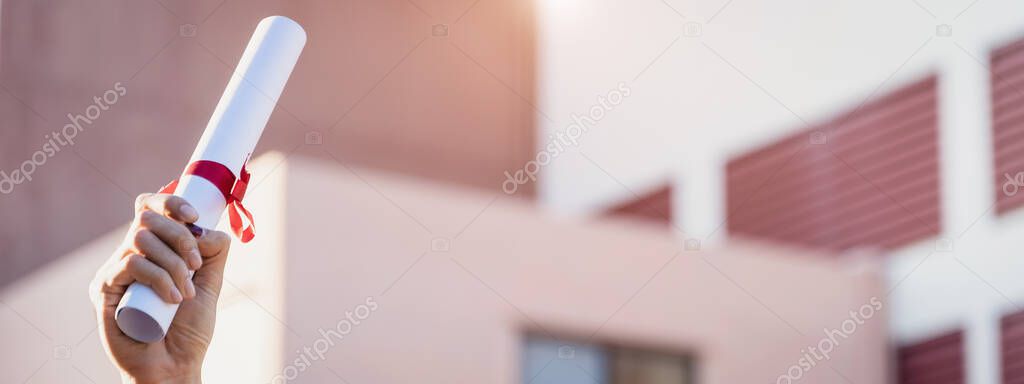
(194, 322)
(209, 278)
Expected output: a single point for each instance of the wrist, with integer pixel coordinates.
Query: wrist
(188, 379)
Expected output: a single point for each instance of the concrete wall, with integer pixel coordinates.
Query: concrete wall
(374, 82)
(460, 315)
(969, 276)
(756, 71)
(969, 285)
(745, 311)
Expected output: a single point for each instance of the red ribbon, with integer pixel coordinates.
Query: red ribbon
(233, 190)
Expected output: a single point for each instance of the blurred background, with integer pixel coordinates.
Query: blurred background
(542, 191)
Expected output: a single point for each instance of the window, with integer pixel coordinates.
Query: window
(1, 34)
(868, 178)
(936, 361)
(1008, 125)
(547, 361)
(1012, 347)
(654, 206)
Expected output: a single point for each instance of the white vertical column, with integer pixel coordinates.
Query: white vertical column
(981, 345)
(699, 196)
(965, 132)
(965, 143)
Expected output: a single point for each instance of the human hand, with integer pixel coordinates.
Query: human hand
(159, 251)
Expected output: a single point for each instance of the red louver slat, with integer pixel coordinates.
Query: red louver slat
(936, 361)
(1007, 65)
(1012, 347)
(874, 182)
(655, 206)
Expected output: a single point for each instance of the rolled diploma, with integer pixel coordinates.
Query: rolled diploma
(229, 139)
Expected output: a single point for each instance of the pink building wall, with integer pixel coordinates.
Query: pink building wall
(333, 237)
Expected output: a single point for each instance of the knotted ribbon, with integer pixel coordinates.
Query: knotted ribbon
(233, 190)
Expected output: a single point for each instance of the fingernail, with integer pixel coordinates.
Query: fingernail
(189, 212)
(175, 295)
(190, 288)
(196, 230)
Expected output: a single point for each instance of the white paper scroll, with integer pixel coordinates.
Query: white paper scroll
(229, 139)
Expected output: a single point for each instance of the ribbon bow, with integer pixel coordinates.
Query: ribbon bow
(233, 190)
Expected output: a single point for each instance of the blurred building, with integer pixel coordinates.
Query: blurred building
(870, 128)
(359, 276)
(802, 158)
(464, 93)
